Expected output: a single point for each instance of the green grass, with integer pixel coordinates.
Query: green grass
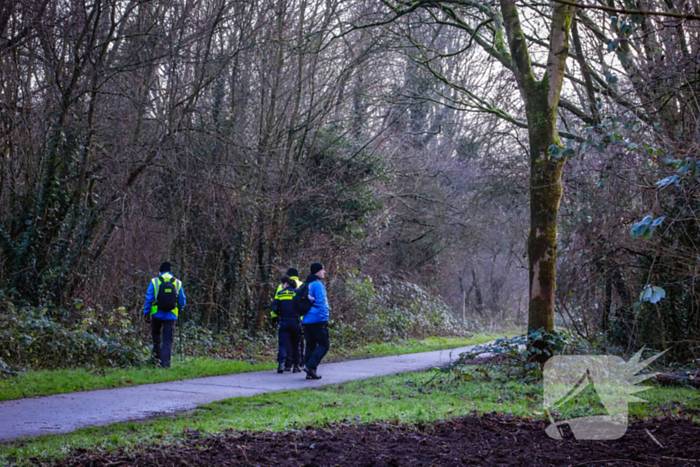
(408, 397)
(45, 382)
(430, 344)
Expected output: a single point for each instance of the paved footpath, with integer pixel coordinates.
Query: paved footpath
(63, 413)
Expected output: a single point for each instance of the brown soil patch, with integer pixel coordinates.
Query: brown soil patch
(490, 440)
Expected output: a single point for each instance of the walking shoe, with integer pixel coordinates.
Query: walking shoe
(287, 368)
(311, 373)
(296, 369)
(280, 368)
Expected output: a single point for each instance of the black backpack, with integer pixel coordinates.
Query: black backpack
(167, 294)
(301, 302)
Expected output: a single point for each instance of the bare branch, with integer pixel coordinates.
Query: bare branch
(630, 12)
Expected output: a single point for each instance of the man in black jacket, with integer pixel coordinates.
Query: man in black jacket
(289, 326)
(293, 274)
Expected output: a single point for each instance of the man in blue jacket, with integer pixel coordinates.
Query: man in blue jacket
(164, 299)
(316, 321)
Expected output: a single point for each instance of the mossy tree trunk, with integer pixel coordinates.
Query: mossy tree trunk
(541, 99)
(545, 195)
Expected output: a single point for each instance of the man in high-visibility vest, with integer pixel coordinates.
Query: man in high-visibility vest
(293, 274)
(289, 327)
(165, 298)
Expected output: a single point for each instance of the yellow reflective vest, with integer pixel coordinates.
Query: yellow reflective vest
(279, 296)
(157, 282)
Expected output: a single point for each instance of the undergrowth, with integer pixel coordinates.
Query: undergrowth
(84, 337)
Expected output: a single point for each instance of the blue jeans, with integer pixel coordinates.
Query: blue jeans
(317, 343)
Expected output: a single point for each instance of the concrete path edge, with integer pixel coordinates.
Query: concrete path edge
(63, 413)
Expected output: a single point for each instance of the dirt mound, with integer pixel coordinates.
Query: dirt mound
(491, 440)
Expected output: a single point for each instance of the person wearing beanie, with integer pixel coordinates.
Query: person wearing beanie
(165, 298)
(289, 329)
(316, 321)
(293, 274)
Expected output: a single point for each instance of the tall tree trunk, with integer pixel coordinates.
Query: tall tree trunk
(464, 298)
(541, 102)
(477, 291)
(607, 302)
(545, 196)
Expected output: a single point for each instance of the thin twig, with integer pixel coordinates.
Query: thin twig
(653, 438)
(631, 12)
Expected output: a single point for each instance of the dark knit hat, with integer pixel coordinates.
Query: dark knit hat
(292, 272)
(316, 267)
(165, 267)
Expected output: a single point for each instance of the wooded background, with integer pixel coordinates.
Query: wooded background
(388, 140)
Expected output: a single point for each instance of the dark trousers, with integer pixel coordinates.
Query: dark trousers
(289, 336)
(317, 343)
(290, 361)
(301, 345)
(168, 330)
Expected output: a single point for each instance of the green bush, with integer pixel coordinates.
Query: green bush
(43, 338)
(6, 370)
(32, 338)
(199, 342)
(396, 310)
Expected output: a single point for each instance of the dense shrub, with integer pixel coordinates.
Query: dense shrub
(33, 338)
(7, 370)
(362, 314)
(396, 310)
(244, 345)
